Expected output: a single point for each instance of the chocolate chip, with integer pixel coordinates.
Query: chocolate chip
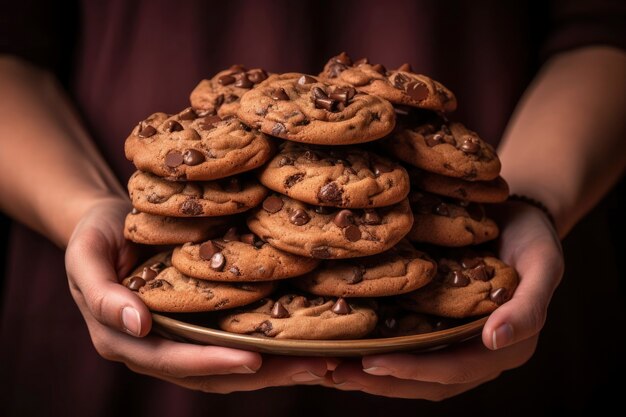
(399, 81)
(279, 129)
(476, 211)
(248, 238)
(371, 217)
(193, 157)
(418, 91)
(442, 209)
(459, 280)
(391, 323)
(243, 81)
(207, 250)
(135, 283)
(325, 103)
(357, 274)
(280, 94)
(379, 68)
(330, 193)
(406, 67)
(226, 79)
(341, 307)
(279, 312)
(470, 145)
(157, 267)
(499, 296)
(434, 140)
(306, 79)
(380, 168)
(187, 114)
(285, 160)
(146, 131)
(311, 156)
(191, 207)
(320, 252)
(343, 94)
(219, 100)
(299, 217)
(265, 327)
(292, 180)
(257, 75)
(174, 159)
(323, 210)
(218, 261)
(148, 274)
(479, 272)
(344, 218)
(352, 233)
(209, 122)
(273, 204)
(231, 98)
(318, 93)
(173, 126)
(232, 185)
(469, 263)
(335, 69)
(231, 235)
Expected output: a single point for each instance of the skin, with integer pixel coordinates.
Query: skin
(550, 152)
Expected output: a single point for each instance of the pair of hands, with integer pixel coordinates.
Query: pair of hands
(119, 322)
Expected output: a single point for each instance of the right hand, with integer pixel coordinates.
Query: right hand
(97, 256)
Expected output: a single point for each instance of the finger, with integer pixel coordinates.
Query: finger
(275, 371)
(463, 364)
(350, 377)
(92, 277)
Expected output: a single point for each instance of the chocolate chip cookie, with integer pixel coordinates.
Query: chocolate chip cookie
(401, 86)
(152, 229)
(394, 321)
(326, 233)
(300, 108)
(221, 94)
(399, 270)
(346, 177)
(301, 317)
(494, 191)
(152, 194)
(163, 288)
(443, 147)
(239, 257)
(188, 146)
(446, 222)
(467, 284)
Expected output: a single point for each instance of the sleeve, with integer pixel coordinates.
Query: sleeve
(578, 23)
(42, 32)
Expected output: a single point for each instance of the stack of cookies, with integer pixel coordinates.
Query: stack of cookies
(327, 238)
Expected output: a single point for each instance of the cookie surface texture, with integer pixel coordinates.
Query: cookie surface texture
(151, 229)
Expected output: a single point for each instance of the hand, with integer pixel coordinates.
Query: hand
(529, 243)
(97, 256)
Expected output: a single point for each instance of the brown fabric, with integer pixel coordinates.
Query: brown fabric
(132, 58)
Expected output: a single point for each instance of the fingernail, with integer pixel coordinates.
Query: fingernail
(131, 321)
(305, 377)
(243, 369)
(377, 370)
(502, 336)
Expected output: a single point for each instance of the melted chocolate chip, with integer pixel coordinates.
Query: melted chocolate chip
(279, 312)
(306, 79)
(468, 263)
(217, 261)
(231, 98)
(191, 207)
(207, 250)
(479, 273)
(356, 274)
(135, 283)
(285, 160)
(352, 233)
(279, 129)
(226, 79)
(148, 274)
(265, 327)
(243, 81)
(292, 180)
(399, 81)
(187, 114)
(344, 218)
(326, 104)
(299, 217)
(310, 156)
(470, 145)
(417, 91)
(173, 126)
(343, 94)
(280, 94)
(146, 131)
(459, 280)
(273, 204)
(193, 157)
(320, 252)
(209, 122)
(330, 193)
(371, 217)
(499, 296)
(174, 159)
(342, 307)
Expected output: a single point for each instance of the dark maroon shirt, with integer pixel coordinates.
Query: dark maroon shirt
(122, 60)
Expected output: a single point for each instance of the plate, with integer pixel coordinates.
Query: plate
(195, 329)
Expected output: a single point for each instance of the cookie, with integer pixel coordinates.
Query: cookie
(187, 146)
(467, 284)
(326, 233)
(300, 317)
(494, 191)
(163, 288)
(447, 222)
(401, 86)
(239, 257)
(445, 148)
(155, 195)
(221, 94)
(399, 270)
(300, 108)
(345, 177)
(394, 321)
(151, 229)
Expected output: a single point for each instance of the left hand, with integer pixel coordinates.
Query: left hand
(530, 244)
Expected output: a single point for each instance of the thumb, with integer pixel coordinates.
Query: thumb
(540, 267)
(94, 284)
